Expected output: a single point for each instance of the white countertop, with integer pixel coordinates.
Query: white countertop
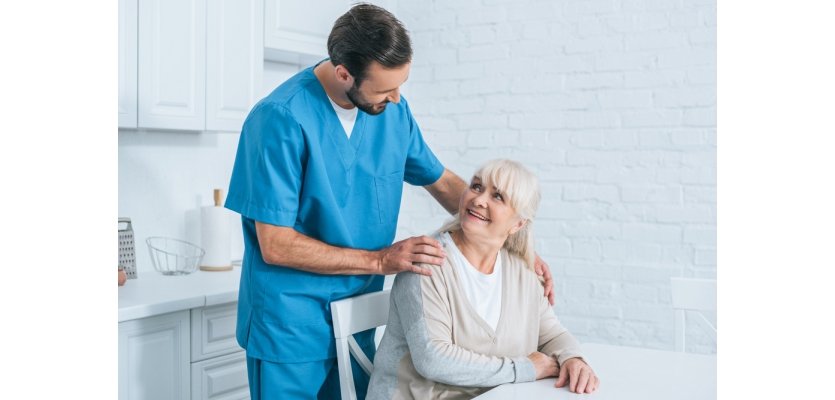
(153, 293)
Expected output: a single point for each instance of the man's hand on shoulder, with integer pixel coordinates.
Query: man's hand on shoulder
(542, 269)
(405, 254)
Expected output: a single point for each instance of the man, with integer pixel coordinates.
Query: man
(318, 186)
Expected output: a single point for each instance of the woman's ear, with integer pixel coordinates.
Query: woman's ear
(518, 226)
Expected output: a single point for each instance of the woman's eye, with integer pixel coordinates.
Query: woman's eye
(498, 196)
(476, 187)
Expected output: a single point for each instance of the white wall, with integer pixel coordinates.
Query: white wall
(166, 176)
(613, 104)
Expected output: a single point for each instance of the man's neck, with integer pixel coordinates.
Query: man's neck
(327, 78)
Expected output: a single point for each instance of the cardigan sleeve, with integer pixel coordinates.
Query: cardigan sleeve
(424, 311)
(554, 339)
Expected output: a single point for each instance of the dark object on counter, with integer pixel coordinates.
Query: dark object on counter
(127, 248)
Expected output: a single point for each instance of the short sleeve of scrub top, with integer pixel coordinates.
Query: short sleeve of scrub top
(422, 167)
(271, 180)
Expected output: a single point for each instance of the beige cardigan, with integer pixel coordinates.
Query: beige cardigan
(437, 347)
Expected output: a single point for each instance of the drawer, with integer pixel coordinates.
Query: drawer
(221, 378)
(213, 331)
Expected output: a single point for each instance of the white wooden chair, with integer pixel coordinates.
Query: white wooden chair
(350, 316)
(694, 296)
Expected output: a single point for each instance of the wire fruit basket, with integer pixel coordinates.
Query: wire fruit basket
(173, 256)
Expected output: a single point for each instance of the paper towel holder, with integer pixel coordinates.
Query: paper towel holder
(218, 194)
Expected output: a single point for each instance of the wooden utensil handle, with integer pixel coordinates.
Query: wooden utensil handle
(218, 193)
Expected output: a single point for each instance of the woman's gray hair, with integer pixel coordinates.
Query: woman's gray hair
(520, 189)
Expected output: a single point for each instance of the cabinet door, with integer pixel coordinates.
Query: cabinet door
(154, 358)
(291, 27)
(293, 34)
(127, 63)
(220, 378)
(234, 61)
(172, 64)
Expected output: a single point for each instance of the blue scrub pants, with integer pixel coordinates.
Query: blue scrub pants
(308, 380)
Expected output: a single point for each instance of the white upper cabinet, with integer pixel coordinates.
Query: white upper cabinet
(189, 64)
(296, 31)
(172, 64)
(127, 63)
(299, 28)
(234, 61)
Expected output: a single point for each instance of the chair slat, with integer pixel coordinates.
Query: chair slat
(350, 316)
(691, 295)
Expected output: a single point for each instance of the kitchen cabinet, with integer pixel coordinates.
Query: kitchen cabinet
(154, 358)
(294, 34)
(127, 63)
(220, 378)
(184, 324)
(185, 354)
(290, 29)
(218, 369)
(172, 64)
(213, 331)
(234, 61)
(199, 63)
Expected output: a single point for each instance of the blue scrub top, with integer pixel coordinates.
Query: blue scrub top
(296, 167)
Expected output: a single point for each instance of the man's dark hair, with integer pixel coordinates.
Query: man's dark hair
(368, 33)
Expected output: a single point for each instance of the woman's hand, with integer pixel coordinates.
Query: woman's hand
(545, 366)
(578, 375)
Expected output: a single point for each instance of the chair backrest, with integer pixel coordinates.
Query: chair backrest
(691, 295)
(350, 316)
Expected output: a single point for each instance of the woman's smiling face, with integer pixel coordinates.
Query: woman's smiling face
(485, 213)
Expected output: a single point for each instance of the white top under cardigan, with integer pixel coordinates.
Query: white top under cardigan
(479, 287)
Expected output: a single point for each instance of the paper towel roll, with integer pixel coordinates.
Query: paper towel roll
(215, 239)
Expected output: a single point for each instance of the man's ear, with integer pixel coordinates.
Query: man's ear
(343, 76)
(518, 226)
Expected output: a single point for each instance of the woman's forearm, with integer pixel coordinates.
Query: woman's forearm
(554, 339)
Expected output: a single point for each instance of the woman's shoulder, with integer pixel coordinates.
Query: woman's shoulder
(518, 269)
(411, 286)
(437, 274)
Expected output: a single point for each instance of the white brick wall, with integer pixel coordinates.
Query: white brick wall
(613, 104)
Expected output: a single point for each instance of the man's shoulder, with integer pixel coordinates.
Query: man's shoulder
(296, 89)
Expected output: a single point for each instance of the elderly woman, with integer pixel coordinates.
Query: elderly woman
(480, 320)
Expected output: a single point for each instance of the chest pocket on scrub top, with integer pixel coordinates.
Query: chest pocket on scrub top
(389, 190)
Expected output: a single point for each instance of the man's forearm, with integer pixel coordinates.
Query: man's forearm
(287, 247)
(447, 190)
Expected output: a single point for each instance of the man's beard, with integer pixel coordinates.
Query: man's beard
(354, 96)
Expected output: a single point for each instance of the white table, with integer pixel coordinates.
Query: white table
(628, 373)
